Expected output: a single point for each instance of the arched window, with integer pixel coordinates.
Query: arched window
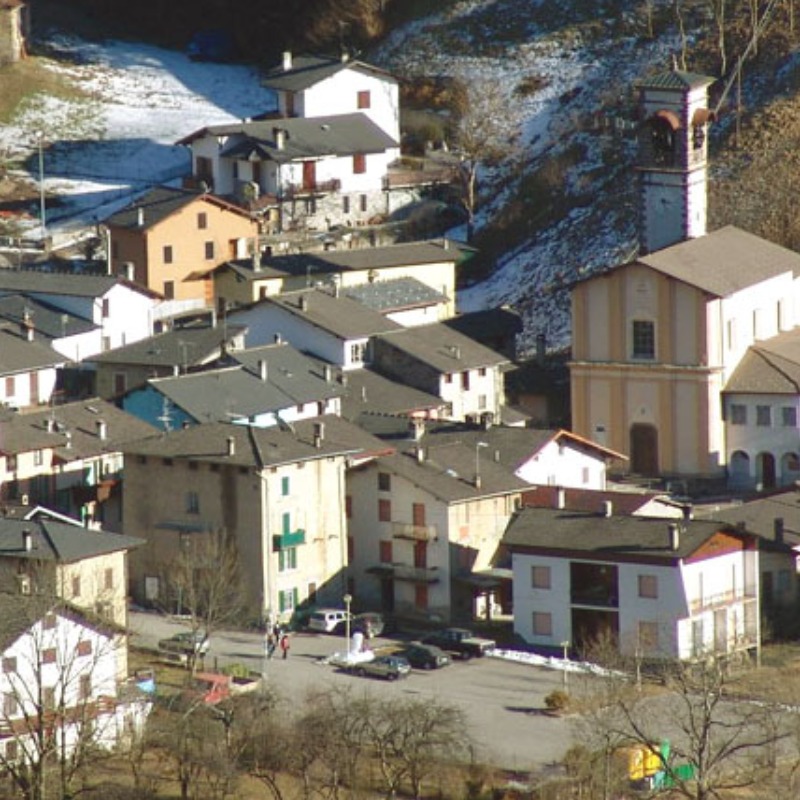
(739, 469)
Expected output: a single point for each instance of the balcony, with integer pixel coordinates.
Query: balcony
(417, 533)
(288, 539)
(748, 594)
(311, 189)
(406, 572)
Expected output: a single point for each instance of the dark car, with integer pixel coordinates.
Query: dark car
(389, 667)
(186, 643)
(460, 642)
(369, 623)
(425, 656)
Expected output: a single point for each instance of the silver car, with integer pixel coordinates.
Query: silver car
(389, 667)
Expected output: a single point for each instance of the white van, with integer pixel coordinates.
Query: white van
(325, 620)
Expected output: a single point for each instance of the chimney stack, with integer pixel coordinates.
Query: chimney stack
(280, 138)
(263, 369)
(778, 528)
(140, 217)
(303, 302)
(608, 508)
(102, 429)
(27, 540)
(278, 338)
(319, 434)
(416, 428)
(420, 453)
(231, 444)
(674, 536)
(561, 498)
(49, 424)
(326, 372)
(287, 60)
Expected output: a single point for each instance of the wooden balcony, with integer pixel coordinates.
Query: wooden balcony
(315, 189)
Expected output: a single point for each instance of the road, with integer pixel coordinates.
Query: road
(502, 700)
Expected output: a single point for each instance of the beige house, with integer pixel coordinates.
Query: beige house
(277, 492)
(169, 238)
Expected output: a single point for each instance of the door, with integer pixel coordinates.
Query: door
(309, 174)
(644, 449)
(34, 388)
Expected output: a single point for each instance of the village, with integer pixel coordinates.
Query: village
(267, 384)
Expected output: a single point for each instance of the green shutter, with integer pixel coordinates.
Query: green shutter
(285, 486)
(281, 602)
(287, 523)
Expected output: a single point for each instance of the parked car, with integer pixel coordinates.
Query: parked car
(326, 620)
(186, 643)
(425, 656)
(389, 667)
(462, 643)
(370, 623)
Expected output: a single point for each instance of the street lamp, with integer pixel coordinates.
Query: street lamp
(348, 598)
(40, 142)
(478, 446)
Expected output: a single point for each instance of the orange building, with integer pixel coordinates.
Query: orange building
(170, 239)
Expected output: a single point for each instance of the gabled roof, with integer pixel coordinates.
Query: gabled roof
(595, 536)
(308, 70)
(73, 284)
(336, 314)
(369, 393)
(335, 135)
(179, 347)
(441, 347)
(160, 203)
(19, 355)
(72, 430)
(723, 262)
(487, 324)
(45, 319)
(261, 447)
(770, 367)
(594, 500)
(397, 294)
(58, 541)
(240, 391)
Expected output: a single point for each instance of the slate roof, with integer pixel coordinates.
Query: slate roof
(335, 135)
(309, 70)
(605, 538)
(368, 392)
(770, 367)
(239, 391)
(675, 79)
(19, 355)
(592, 500)
(442, 348)
(397, 294)
(487, 324)
(178, 347)
(59, 541)
(54, 323)
(71, 430)
(261, 447)
(162, 202)
(723, 262)
(339, 315)
(36, 281)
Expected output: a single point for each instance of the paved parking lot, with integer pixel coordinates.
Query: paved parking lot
(502, 700)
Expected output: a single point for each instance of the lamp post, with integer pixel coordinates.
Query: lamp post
(565, 648)
(42, 217)
(478, 446)
(348, 598)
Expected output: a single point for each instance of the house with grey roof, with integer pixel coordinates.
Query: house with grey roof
(263, 386)
(278, 493)
(174, 352)
(658, 589)
(321, 322)
(68, 457)
(406, 301)
(28, 370)
(439, 360)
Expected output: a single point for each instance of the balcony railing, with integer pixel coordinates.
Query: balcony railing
(419, 533)
(741, 595)
(292, 190)
(405, 572)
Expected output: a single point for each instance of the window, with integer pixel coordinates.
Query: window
(789, 417)
(10, 664)
(120, 383)
(481, 402)
(359, 164)
(167, 253)
(84, 647)
(356, 353)
(348, 506)
(585, 474)
(362, 202)
(203, 167)
(648, 636)
(738, 414)
(10, 386)
(285, 486)
(209, 250)
(108, 579)
(418, 514)
(764, 416)
(345, 205)
(384, 510)
(49, 656)
(287, 600)
(287, 559)
(465, 381)
(202, 220)
(384, 482)
(648, 586)
(106, 308)
(644, 339)
(542, 623)
(540, 577)
(85, 687)
(38, 458)
(482, 372)
(448, 378)
(10, 705)
(12, 751)
(76, 585)
(363, 99)
(385, 551)
(169, 290)
(351, 549)
(192, 503)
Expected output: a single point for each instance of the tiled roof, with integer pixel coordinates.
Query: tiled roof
(607, 538)
(394, 295)
(259, 447)
(54, 323)
(770, 367)
(71, 429)
(675, 79)
(35, 281)
(184, 346)
(308, 70)
(724, 262)
(19, 355)
(368, 392)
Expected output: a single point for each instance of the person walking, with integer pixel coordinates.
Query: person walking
(284, 645)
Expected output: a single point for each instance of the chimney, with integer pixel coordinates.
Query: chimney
(280, 138)
(319, 433)
(416, 428)
(303, 302)
(674, 536)
(263, 369)
(419, 452)
(68, 443)
(231, 443)
(457, 352)
(49, 424)
(326, 372)
(778, 528)
(477, 481)
(561, 498)
(27, 325)
(608, 508)
(363, 394)
(287, 60)
(27, 540)
(140, 217)
(278, 339)
(102, 429)
(446, 244)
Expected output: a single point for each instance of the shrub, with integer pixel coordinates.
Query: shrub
(557, 700)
